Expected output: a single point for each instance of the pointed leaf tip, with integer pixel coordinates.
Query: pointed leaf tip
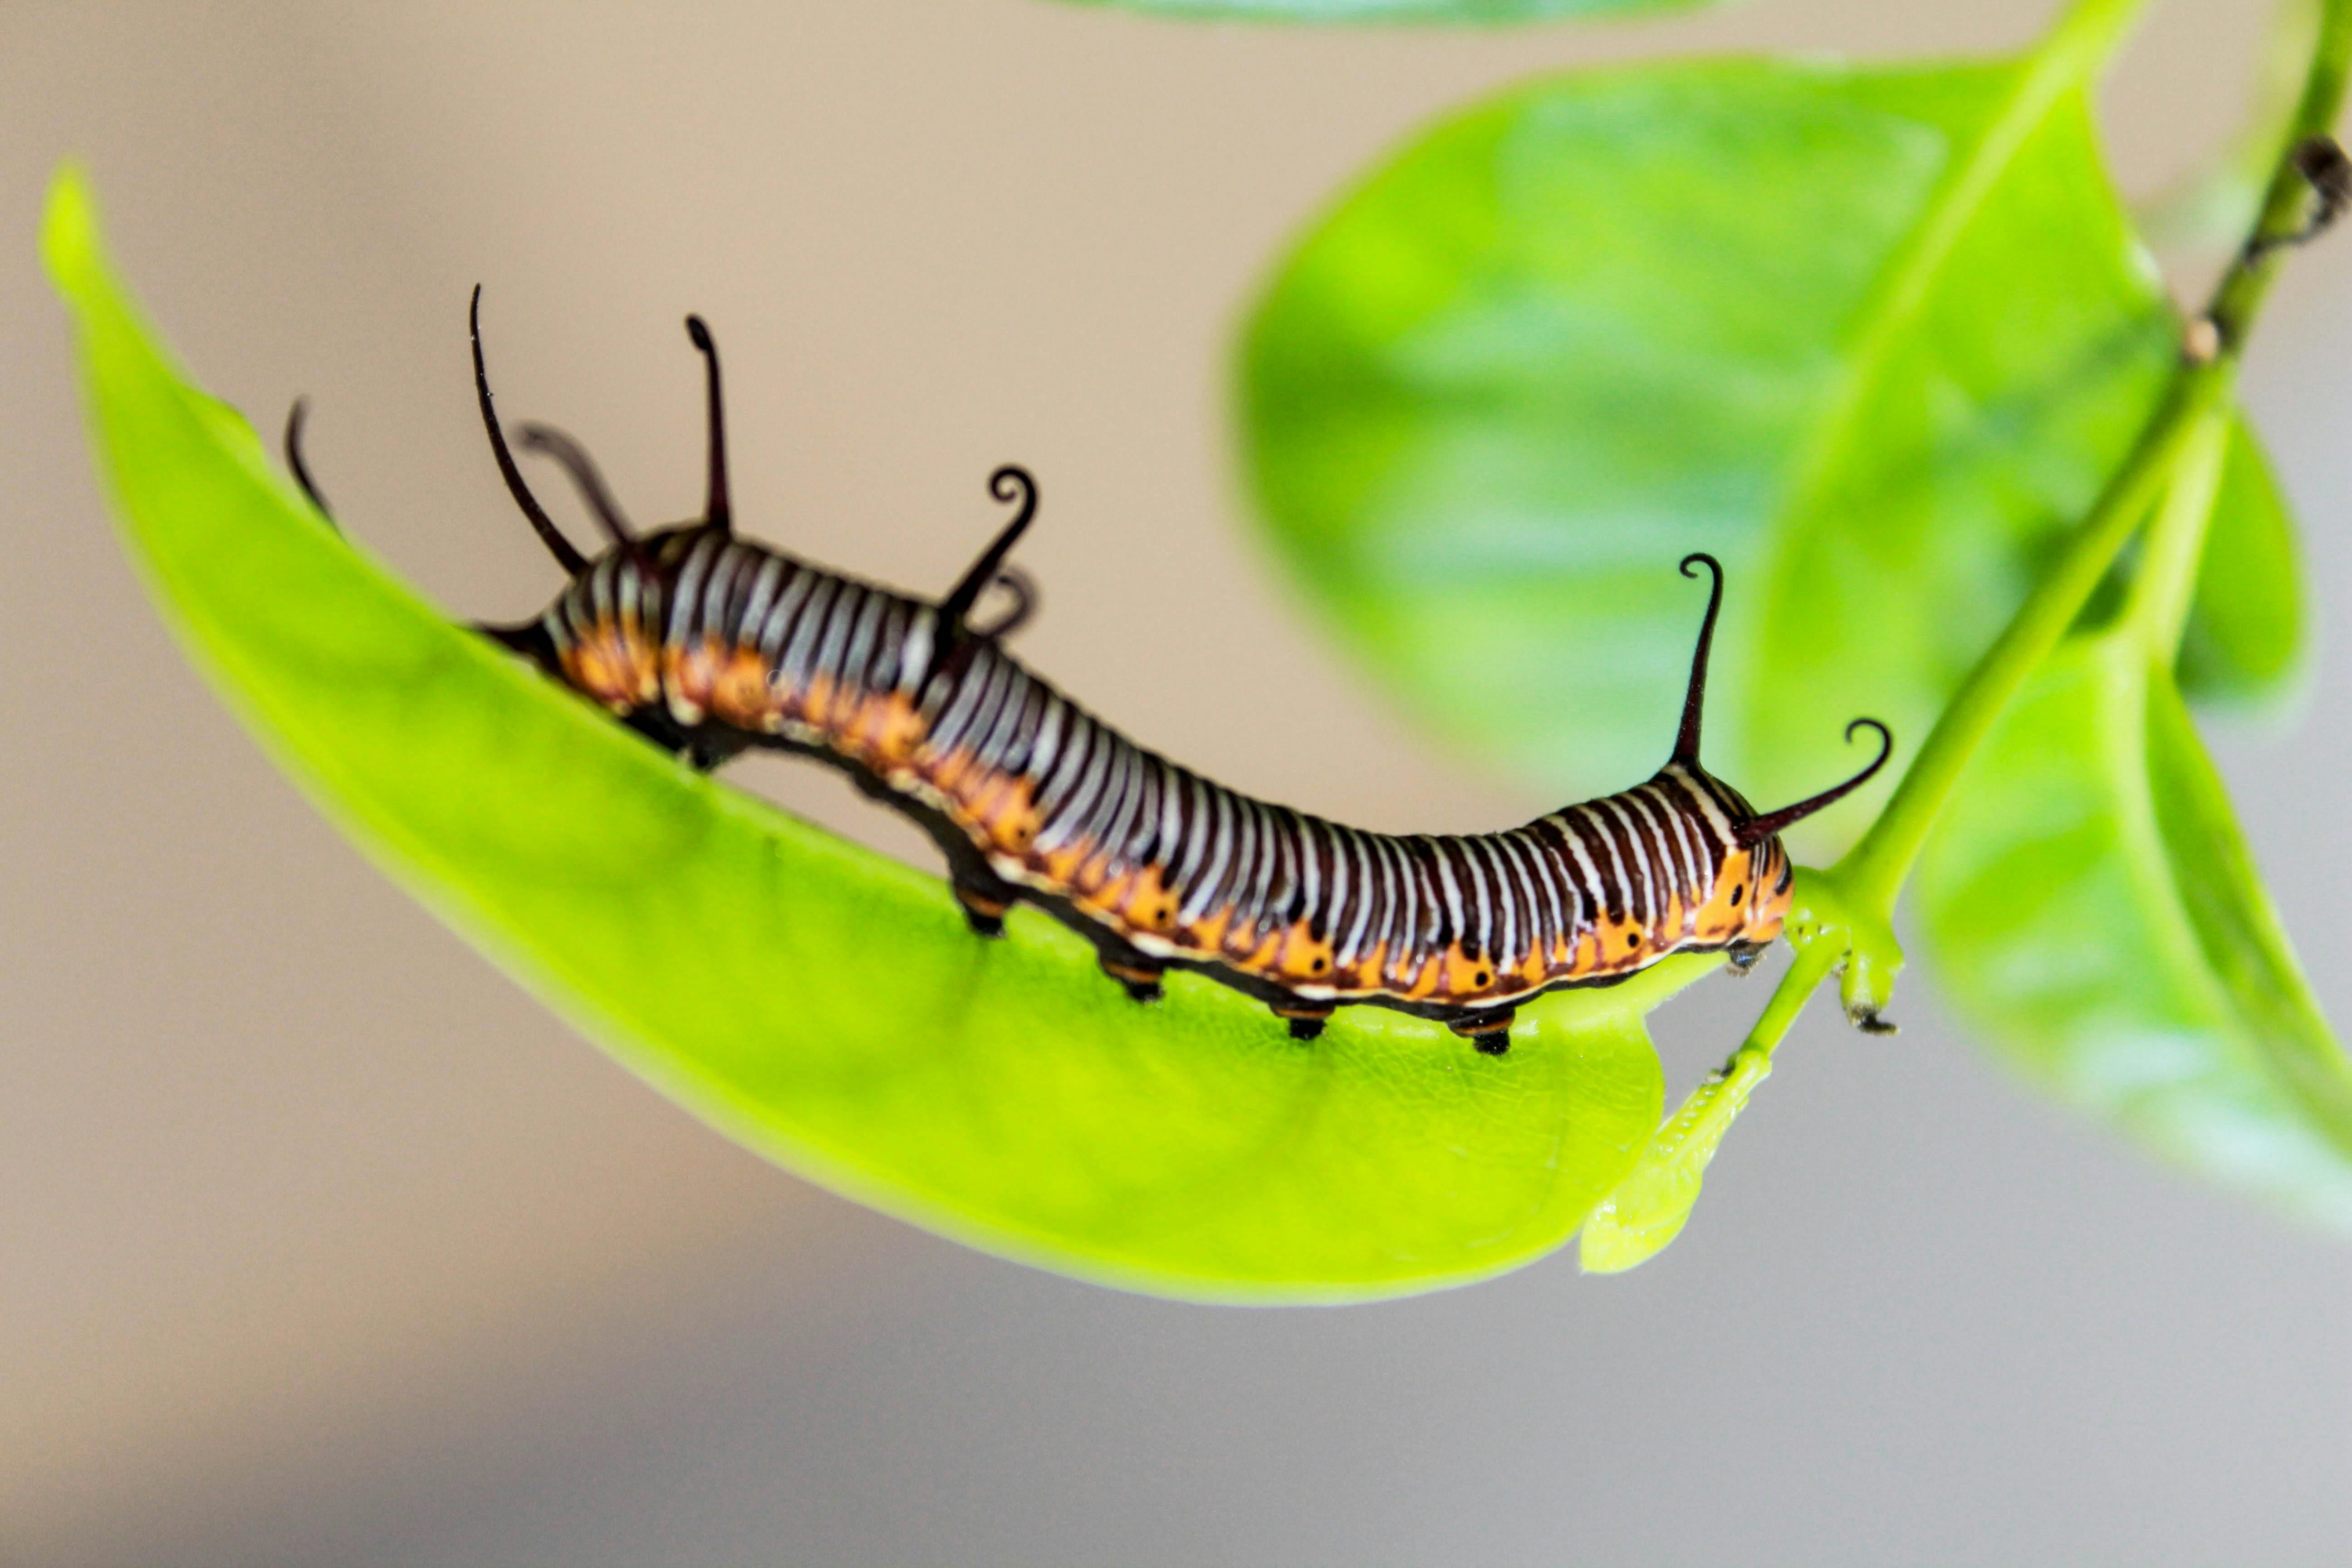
(1649, 1208)
(69, 247)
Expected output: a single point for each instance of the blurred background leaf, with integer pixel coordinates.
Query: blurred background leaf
(1873, 336)
(1876, 337)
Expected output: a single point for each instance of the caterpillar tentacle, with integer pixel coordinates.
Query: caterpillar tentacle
(566, 555)
(718, 511)
(296, 417)
(710, 644)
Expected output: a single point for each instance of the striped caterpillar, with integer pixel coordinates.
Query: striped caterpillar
(708, 645)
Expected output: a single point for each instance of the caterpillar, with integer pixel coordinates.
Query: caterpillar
(707, 643)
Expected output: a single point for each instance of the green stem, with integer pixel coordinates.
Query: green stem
(2244, 287)
(2219, 202)
(1873, 873)
(1874, 870)
(1813, 964)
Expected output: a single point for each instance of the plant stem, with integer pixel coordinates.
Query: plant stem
(2219, 203)
(2166, 580)
(1862, 886)
(1875, 869)
(1873, 872)
(1814, 963)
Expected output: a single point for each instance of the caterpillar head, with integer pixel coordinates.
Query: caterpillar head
(1752, 890)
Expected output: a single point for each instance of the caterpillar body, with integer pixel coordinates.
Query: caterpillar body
(709, 644)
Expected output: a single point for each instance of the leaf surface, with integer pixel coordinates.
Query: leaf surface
(823, 1005)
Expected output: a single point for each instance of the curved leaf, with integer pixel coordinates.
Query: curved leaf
(1874, 337)
(1651, 1204)
(2094, 910)
(1461, 11)
(823, 1005)
(2244, 639)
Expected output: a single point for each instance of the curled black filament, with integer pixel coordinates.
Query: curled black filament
(1756, 829)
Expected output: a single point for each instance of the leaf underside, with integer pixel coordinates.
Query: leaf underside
(821, 1004)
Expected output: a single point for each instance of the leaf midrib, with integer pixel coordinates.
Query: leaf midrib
(2073, 52)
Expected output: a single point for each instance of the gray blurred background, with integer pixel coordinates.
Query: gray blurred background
(320, 1243)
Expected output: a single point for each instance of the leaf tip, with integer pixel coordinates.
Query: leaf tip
(1608, 1245)
(69, 236)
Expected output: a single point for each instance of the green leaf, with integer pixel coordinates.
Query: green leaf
(2245, 634)
(2095, 912)
(1873, 336)
(1460, 12)
(1651, 1204)
(821, 1004)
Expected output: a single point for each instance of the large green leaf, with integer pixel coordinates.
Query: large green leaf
(1874, 337)
(2093, 908)
(821, 1004)
(1460, 12)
